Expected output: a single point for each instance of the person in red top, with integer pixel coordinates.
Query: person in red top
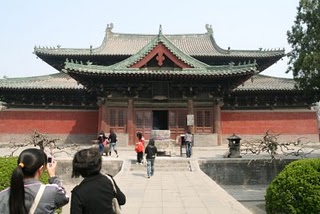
(139, 148)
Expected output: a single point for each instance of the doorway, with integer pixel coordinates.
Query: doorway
(160, 120)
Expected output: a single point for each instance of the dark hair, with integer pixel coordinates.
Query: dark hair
(188, 130)
(151, 142)
(139, 135)
(86, 162)
(101, 137)
(29, 161)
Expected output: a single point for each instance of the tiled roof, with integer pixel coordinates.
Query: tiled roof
(160, 39)
(63, 81)
(129, 44)
(209, 71)
(53, 81)
(267, 83)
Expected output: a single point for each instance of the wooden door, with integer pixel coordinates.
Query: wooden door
(143, 121)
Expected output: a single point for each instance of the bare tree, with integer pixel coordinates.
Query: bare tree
(45, 143)
(271, 145)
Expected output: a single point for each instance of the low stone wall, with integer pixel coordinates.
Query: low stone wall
(69, 138)
(243, 171)
(281, 138)
(64, 170)
(205, 140)
(83, 139)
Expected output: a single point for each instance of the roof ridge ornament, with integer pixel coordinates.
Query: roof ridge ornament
(160, 29)
(209, 29)
(109, 27)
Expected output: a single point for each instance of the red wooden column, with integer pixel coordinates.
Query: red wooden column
(102, 120)
(217, 120)
(190, 106)
(190, 110)
(131, 121)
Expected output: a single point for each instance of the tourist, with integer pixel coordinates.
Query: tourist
(26, 193)
(139, 148)
(102, 142)
(113, 142)
(151, 152)
(95, 192)
(188, 139)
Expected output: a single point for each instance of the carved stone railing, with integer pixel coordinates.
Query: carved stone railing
(163, 142)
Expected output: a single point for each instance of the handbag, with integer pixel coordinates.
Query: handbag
(37, 199)
(115, 204)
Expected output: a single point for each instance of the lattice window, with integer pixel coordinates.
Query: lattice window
(204, 118)
(199, 119)
(139, 119)
(207, 118)
(117, 118)
(172, 119)
(182, 119)
(143, 119)
(148, 120)
(121, 118)
(112, 117)
(177, 119)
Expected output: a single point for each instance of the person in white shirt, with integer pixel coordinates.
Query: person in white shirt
(188, 138)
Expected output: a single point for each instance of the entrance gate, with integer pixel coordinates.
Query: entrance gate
(174, 120)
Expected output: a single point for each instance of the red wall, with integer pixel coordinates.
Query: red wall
(48, 121)
(258, 122)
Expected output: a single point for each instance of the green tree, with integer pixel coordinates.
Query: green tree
(304, 38)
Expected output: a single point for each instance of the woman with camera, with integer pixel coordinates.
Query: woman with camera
(26, 194)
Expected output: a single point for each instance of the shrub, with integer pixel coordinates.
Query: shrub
(296, 189)
(7, 165)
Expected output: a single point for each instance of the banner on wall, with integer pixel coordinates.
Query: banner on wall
(190, 120)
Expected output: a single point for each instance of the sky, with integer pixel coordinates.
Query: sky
(238, 24)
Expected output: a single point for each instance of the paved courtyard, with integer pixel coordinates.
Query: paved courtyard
(179, 191)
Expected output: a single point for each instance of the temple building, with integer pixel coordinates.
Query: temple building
(138, 82)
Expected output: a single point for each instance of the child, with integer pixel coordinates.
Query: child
(151, 152)
(102, 139)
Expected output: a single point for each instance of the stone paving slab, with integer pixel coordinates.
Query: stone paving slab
(175, 192)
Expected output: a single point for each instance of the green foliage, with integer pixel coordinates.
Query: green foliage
(304, 38)
(296, 189)
(7, 165)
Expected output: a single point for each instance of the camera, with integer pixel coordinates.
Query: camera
(49, 159)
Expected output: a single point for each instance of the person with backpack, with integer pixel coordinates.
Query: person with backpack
(151, 152)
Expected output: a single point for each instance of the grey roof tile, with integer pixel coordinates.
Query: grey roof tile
(129, 44)
(210, 71)
(63, 81)
(53, 81)
(261, 82)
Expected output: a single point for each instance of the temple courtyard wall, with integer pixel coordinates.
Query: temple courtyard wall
(81, 126)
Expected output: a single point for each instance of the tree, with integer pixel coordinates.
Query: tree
(304, 38)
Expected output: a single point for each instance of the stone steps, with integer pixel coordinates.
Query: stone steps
(163, 165)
